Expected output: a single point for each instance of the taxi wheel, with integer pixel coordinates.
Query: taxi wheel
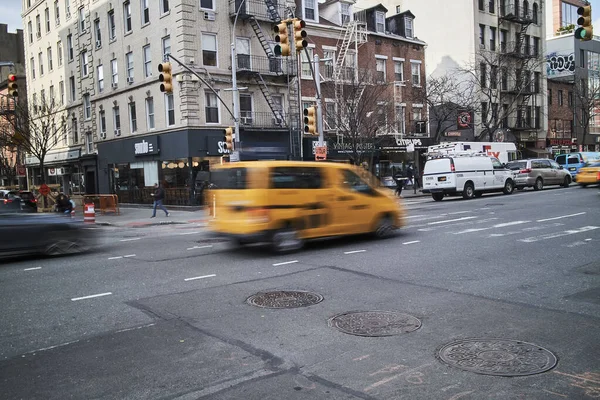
(286, 240)
(384, 228)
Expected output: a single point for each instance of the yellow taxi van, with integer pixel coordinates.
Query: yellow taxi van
(285, 203)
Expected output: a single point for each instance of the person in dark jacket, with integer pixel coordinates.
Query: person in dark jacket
(159, 195)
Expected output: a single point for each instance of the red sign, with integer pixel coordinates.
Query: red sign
(464, 119)
(561, 142)
(320, 153)
(44, 190)
(21, 170)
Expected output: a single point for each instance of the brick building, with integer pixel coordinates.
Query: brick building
(560, 115)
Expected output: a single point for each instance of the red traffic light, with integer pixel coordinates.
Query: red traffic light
(12, 78)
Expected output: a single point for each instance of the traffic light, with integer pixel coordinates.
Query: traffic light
(12, 85)
(229, 138)
(310, 121)
(585, 31)
(300, 34)
(165, 77)
(283, 40)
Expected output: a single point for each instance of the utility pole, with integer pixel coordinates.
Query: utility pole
(317, 76)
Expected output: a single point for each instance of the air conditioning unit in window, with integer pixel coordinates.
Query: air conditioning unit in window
(130, 80)
(98, 44)
(209, 15)
(114, 85)
(117, 132)
(246, 120)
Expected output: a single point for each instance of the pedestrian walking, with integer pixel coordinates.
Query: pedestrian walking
(159, 195)
(399, 184)
(410, 174)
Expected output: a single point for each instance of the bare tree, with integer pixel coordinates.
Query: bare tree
(8, 164)
(34, 133)
(446, 96)
(364, 112)
(505, 82)
(586, 93)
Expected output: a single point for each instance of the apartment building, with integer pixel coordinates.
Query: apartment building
(365, 52)
(99, 60)
(497, 46)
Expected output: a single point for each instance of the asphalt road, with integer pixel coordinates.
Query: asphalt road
(161, 312)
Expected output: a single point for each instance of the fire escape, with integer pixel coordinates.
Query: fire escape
(278, 69)
(519, 61)
(354, 34)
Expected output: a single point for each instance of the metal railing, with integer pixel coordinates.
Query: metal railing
(521, 50)
(256, 8)
(264, 65)
(510, 12)
(261, 119)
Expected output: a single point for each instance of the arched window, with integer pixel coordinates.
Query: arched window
(525, 8)
(535, 13)
(516, 7)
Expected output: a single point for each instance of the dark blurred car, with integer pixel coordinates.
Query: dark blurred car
(28, 202)
(50, 234)
(10, 202)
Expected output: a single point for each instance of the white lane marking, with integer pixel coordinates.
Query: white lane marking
(415, 216)
(136, 328)
(528, 229)
(130, 239)
(485, 208)
(589, 239)
(559, 234)
(91, 296)
(414, 241)
(199, 277)
(575, 244)
(510, 224)
(481, 221)
(189, 233)
(450, 220)
(460, 212)
(354, 251)
(129, 255)
(503, 225)
(115, 258)
(285, 263)
(200, 247)
(34, 268)
(562, 216)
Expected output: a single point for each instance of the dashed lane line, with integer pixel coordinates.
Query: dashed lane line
(503, 225)
(354, 251)
(412, 242)
(130, 239)
(450, 220)
(32, 269)
(285, 263)
(91, 296)
(559, 234)
(200, 277)
(189, 233)
(200, 247)
(561, 217)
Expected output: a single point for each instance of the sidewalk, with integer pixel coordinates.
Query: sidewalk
(136, 217)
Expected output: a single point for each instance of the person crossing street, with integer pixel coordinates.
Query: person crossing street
(159, 195)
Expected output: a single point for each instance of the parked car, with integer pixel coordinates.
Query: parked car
(573, 161)
(49, 234)
(10, 202)
(538, 172)
(589, 174)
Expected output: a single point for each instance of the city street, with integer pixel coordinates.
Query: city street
(161, 312)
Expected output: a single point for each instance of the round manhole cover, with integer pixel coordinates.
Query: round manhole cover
(284, 299)
(499, 357)
(374, 323)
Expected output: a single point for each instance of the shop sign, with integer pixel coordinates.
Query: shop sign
(561, 142)
(56, 171)
(409, 142)
(453, 133)
(21, 170)
(222, 147)
(147, 146)
(348, 147)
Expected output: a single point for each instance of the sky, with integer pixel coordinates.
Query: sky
(10, 13)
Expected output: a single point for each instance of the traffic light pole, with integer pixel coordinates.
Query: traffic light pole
(319, 100)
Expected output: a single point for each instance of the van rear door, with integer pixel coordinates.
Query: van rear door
(439, 175)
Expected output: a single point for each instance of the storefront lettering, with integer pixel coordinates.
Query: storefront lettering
(408, 142)
(222, 148)
(143, 148)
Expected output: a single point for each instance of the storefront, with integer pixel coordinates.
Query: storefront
(66, 169)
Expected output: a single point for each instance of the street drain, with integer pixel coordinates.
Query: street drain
(374, 323)
(284, 299)
(500, 357)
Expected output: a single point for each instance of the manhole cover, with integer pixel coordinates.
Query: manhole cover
(374, 323)
(499, 357)
(284, 299)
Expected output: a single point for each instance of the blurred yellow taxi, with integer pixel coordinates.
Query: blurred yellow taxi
(589, 174)
(285, 203)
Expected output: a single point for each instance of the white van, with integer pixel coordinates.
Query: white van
(469, 175)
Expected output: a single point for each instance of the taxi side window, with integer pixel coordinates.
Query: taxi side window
(296, 178)
(353, 182)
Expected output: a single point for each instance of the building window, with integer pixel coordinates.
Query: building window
(481, 5)
(32, 67)
(100, 74)
(57, 12)
(87, 106)
(207, 4)
(503, 36)
(560, 97)
(98, 33)
(117, 119)
(491, 6)
(345, 12)
(408, 27)
(570, 99)
(166, 46)
(536, 46)
(309, 9)
(164, 6)
(114, 71)
(415, 71)
(535, 13)
(399, 71)
(61, 92)
(211, 108)
(84, 64)
(89, 142)
(132, 118)
(52, 94)
(482, 36)
(246, 108)
(81, 20)
(147, 61)
(494, 77)
(112, 27)
(209, 49)
(74, 130)
(68, 8)
(330, 116)
(41, 63)
(102, 123)
(379, 21)
(484, 113)
(170, 103)
(537, 78)
(129, 61)
(549, 97)
(30, 29)
(150, 112)
(49, 57)
(70, 47)
(492, 38)
(35, 103)
(417, 114)
(305, 73)
(145, 12)
(59, 50)
(483, 75)
(568, 15)
(47, 19)
(72, 88)
(127, 16)
(380, 67)
(504, 78)
(38, 24)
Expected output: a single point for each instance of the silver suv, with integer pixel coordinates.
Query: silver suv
(537, 172)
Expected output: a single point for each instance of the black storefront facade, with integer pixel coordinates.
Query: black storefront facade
(131, 166)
